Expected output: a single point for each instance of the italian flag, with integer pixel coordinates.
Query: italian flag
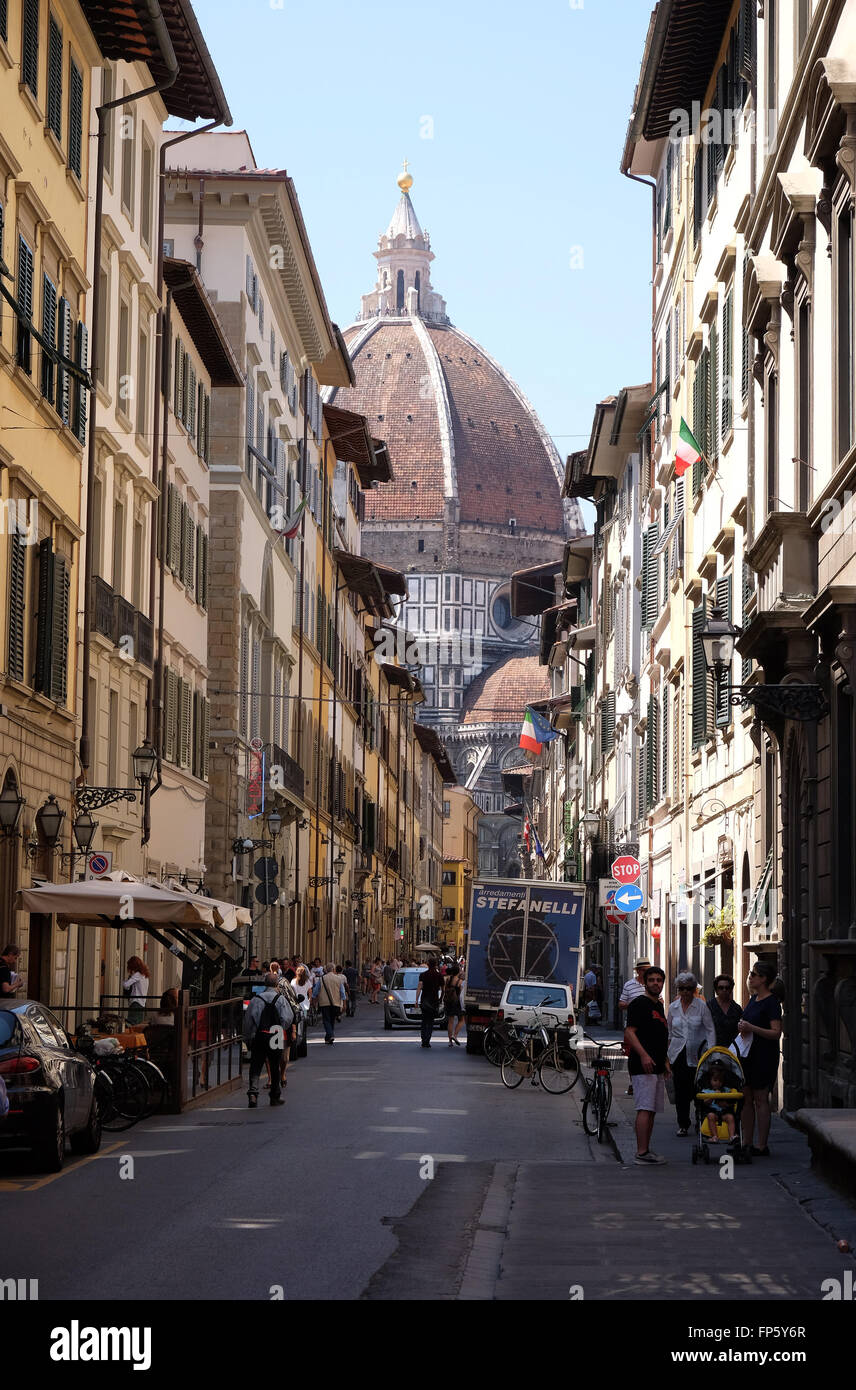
(292, 523)
(688, 452)
(528, 739)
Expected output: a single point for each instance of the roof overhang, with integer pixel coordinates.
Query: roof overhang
(534, 589)
(353, 443)
(683, 44)
(631, 408)
(201, 321)
(576, 561)
(403, 680)
(373, 583)
(431, 743)
(125, 29)
(553, 621)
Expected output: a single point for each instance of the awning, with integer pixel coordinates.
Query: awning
(534, 589)
(228, 917)
(551, 621)
(430, 742)
(107, 902)
(576, 564)
(583, 638)
(353, 443)
(372, 582)
(398, 676)
(200, 319)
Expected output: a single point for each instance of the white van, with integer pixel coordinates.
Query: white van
(554, 1003)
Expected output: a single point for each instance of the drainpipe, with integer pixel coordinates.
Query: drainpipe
(154, 714)
(300, 620)
(172, 69)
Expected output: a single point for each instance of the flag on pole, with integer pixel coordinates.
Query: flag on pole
(688, 452)
(536, 732)
(526, 834)
(292, 523)
(539, 852)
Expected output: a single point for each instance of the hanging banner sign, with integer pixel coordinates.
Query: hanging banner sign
(256, 779)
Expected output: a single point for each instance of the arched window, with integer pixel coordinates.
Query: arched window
(418, 283)
(399, 292)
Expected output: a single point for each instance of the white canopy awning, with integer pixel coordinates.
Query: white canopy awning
(118, 901)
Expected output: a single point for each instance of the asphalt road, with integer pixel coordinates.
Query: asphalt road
(226, 1203)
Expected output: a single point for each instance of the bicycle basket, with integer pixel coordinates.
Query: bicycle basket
(523, 1066)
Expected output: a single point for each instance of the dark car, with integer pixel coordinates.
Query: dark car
(51, 1088)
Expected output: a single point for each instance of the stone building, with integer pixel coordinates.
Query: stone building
(475, 494)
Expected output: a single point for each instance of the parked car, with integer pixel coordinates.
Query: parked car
(50, 1086)
(399, 1001)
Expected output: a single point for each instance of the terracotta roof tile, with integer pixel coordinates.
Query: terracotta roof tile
(500, 694)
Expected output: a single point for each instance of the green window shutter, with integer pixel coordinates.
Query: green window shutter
(664, 752)
(646, 570)
(59, 634)
(44, 618)
(651, 578)
(699, 677)
(204, 597)
(198, 583)
(30, 45)
(54, 101)
(4, 21)
(700, 407)
(63, 377)
(17, 591)
(174, 534)
(655, 751)
(195, 727)
(80, 389)
(75, 118)
(170, 714)
(25, 303)
(205, 735)
(649, 756)
(713, 407)
(185, 715)
(728, 363)
(49, 335)
(190, 400)
(607, 723)
(723, 686)
(178, 381)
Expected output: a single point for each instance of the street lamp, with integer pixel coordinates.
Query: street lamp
(144, 759)
(795, 700)
(376, 881)
(11, 809)
(49, 819)
(339, 864)
(84, 828)
(274, 823)
(590, 824)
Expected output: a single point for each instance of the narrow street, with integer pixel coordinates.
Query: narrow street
(325, 1197)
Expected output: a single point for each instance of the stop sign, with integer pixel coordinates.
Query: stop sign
(626, 869)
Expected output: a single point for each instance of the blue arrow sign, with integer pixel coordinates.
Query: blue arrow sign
(629, 898)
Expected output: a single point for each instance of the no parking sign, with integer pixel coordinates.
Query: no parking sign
(99, 864)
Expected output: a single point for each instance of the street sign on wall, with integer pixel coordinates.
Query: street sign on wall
(626, 869)
(99, 863)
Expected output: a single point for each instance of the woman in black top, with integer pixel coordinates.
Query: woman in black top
(762, 1022)
(724, 1010)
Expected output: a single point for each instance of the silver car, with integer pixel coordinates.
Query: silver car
(399, 1000)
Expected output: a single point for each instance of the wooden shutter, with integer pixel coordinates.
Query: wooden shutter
(185, 712)
(49, 335)
(189, 550)
(651, 584)
(195, 732)
(63, 378)
(25, 303)
(59, 634)
(744, 383)
(649, 756)
(261, 315)
(16, 610)
(245, 679)
(205, 710)
(698, 192)
(712, 450)
(178, 381)
(30, 45)
(664, 751)
(80, 389)
(700, 425)
(255, 695)
(190, 400)
(667, 206)
(54, 101)
(723, 686)
(170, 713)
(249, 285)
(44, 618)
(75, 118)
(4, 18)
(176, 523)
(251, 422)
(699, 676)
(728, 363)
(607, 723)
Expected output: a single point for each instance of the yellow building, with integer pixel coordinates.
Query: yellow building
(460, 862)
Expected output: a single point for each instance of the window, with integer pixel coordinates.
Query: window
(771, 437)
(142, 383)
(803, 350)
(843, 327)
(771, 24)
(113, 739)
(108, 92)
(137, 566)
(54, 100)
(51, 586)
(147, 165)
(49, 335)
(25, 305)
(4, 31)
(103, 326)
(728, 363)
(119, 547)
(127, 132)
(30, 45)
(75, 118)
(16, 613)
(133, 736)
(125, 388)
(702, 680)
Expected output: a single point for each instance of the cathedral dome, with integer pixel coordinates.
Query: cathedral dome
(501, 694)
(465, 443)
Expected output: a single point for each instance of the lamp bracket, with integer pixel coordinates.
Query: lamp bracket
(797, 701)
(93, 798)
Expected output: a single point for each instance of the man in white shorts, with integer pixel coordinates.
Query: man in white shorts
(632, 990)
(646, 1038)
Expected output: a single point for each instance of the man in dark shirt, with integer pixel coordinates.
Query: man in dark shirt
(428, 992)
(646, 1038)
(8, 975)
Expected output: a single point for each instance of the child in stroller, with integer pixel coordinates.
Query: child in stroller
(718, 1103)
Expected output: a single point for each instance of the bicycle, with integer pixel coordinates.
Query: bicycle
(598, 1097)
(522, 1057)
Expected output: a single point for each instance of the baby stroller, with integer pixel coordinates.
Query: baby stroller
(718, 1088)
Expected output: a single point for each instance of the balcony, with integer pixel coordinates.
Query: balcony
(117, 619)
(784, 556)
(104, 615)
(293, 778)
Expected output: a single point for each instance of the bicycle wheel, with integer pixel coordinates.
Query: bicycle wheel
(604, 1101)
(558, 1071)
(513, 1059)
(130, 1091)
(112, 1119)
(155, 1080)
(590, 1111)
(493, 1047)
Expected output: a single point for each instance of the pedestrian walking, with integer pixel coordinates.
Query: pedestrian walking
(352, 975)
(724, 1010)
(376, 978)
(136, 990)
(331, 998)
(646, 1037)
(691, 1032)
(452, 989)
(267, 1023)
(388, 972)
(429, 990)
(631, 990)
(760, 1029)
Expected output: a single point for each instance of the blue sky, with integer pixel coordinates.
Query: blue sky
(529, 104)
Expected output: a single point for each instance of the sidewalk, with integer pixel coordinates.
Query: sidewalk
(611, 1230)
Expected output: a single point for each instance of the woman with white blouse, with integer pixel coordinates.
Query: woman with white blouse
(691, 1032)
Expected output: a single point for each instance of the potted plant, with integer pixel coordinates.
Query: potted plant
(720, 922)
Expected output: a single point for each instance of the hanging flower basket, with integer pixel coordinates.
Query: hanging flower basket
(720, 926)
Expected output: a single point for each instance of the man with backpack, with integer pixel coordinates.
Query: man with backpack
(267, 1024)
